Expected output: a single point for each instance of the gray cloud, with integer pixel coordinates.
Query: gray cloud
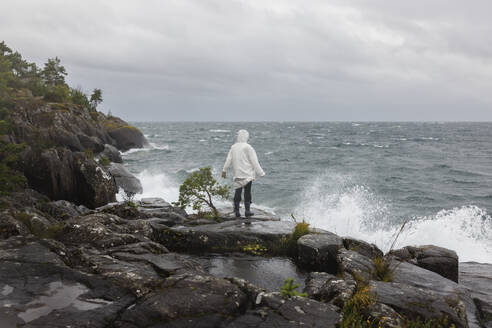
(267, 60)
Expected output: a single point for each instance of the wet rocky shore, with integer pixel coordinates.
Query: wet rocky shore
(149, 264)
(70, 256)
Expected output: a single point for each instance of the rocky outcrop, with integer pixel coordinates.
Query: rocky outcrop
(116, 266)
(437, 259)
(124, 135)
(225, 237)
(61, 141)
(62, 174)
(124, 179)
(111, 153)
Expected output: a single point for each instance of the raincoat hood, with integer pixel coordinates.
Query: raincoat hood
(242, 136)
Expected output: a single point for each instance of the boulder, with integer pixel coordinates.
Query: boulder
(328, 288)
(437, 259)
(61, 174)
(9, 226)
(111, 153)
(318, 252)
(63, 210)
(124, 179)
(273, 310)
(124, 135)
(477, 279)
(186, 301)
(457, 296)
(356, 264)
(100, 231)
(362, 247)
(38, 290)
(224, 237)
(416, 303)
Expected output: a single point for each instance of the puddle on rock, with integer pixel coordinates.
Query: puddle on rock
(269, 273)
(60, 295)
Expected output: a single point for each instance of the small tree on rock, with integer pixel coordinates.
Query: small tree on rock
(199, 189)
(96, 98)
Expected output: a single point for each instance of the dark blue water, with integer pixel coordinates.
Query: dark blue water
(359, 179)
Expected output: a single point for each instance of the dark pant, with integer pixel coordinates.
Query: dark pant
(247, 193)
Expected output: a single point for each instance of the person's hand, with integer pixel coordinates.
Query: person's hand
(224, 174)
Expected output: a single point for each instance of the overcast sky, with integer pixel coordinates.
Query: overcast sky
(258, 60)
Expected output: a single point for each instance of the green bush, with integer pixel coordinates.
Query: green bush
(288, 245)
(199, 189)
(104, 161)
(289, 289)
(384, 270)
(58, 93)
(78, 97)
(11, 177)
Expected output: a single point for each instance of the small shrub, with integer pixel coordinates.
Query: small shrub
(384, 270)
(104, 161)
(57, 94)
(288, 245)
(255, 249)
(289, 289)
(129, 198)
(199, 189)
(11, 177)
(353, 309)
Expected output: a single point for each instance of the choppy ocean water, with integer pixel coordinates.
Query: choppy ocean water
(356, 179)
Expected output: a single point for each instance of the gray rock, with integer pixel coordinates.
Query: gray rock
(315, 282)
(356, 264)
(319, 251)
(437, 259)
(420, 303)
(185, 301)
(124, 135)
(61, 174)
(124, 179)
(112, 154)
(63, 210)
(275, 311)
(422, 279)
(9, 226)
(100, 231)
(38, 290)
(362, 247)
(225, 236)
(477, 279)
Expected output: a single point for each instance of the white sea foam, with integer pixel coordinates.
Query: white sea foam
(151, 146)
(220, 131)
(334, 203)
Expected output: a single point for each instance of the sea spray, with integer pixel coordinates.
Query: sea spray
(335, 203)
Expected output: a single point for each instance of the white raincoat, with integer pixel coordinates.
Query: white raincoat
(244, 161)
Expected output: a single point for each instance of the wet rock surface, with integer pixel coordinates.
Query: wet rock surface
(477, 279)
(40, 290)
(318, 252)
(117, 266)
(225, 236)
(437, 259)
(124, 179)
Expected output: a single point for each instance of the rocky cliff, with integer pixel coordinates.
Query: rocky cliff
(63, 143)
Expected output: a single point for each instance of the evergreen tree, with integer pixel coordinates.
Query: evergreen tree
(53, 73)
(96, 98)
